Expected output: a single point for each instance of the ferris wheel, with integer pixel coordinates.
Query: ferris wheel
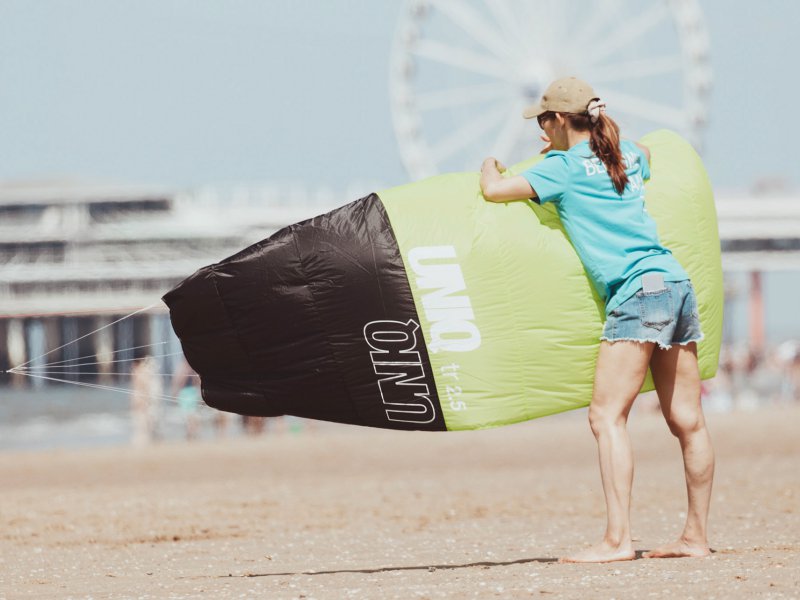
(463, 70)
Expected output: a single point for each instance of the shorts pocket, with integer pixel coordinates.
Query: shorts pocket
(656, 308)
(693, 304)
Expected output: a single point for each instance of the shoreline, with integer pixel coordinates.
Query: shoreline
(103, 429)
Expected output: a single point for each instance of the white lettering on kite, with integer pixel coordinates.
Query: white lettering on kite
(449, 313)
(395, 358)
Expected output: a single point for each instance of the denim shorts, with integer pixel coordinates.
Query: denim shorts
(666, 316)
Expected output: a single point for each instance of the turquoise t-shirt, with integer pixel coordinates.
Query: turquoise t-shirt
(614, 236)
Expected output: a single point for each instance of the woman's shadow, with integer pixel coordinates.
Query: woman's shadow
(486, 564)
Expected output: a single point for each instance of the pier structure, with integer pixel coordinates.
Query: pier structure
(75, 258)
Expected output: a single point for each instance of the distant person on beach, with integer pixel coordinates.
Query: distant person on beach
(186, 385)
(596, 182)
(189, 403)
(788, 357)
(253, 426)
(186, 388)
(146, 391)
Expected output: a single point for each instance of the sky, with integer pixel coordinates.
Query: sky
(191, 92)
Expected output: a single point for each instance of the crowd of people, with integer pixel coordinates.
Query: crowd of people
(748, 378)
(152, 406)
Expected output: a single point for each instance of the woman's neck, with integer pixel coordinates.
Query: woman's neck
(576, 137)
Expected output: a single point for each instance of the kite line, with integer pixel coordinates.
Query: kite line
(50, 371)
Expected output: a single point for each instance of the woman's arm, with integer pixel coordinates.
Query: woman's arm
(644, 149)
(497, 188)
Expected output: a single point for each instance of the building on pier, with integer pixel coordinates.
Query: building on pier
(75, 258)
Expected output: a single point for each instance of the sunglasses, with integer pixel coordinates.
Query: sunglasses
(545, 116)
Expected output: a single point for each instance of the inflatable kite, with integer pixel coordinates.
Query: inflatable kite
(426, 307)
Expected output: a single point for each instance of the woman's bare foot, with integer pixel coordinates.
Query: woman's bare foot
(681, 548)
(601, 553)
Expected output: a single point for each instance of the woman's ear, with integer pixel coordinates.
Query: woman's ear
(560, 119)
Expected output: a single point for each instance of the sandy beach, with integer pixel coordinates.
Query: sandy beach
(343, 512)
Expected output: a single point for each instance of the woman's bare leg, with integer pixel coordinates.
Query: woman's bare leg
(620, 372)
(677, 380)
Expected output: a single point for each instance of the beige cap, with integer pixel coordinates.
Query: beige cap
(566, 95)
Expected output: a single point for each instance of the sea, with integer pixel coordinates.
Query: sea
(70, 416)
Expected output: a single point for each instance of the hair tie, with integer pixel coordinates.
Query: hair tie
(596, 106)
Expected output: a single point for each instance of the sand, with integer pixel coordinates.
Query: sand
(346, 512)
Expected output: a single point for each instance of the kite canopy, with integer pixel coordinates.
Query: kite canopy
(426, 307)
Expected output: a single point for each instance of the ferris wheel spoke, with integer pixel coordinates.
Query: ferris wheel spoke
(510, 23)
(467, 134)
(461, 58)
(468, 20)
(527, 16)
(648, 110)
(628, 32)
(636, 69)
(458, 96)
(559, 17)
(604, 14)
(512, 131)
(544, 19)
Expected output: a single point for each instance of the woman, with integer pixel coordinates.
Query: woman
(597, 184)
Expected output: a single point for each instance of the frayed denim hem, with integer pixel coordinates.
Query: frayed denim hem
(661, 344)
(697, 339)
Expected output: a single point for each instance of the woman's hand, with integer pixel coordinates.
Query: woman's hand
(493, 162)
(644, 149)
(497, 188)
(548, 144)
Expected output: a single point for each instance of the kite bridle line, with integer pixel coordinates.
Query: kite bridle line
(45, 371)
(136, 312)
(59, 362)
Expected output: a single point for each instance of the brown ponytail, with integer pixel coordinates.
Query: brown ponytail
(604, 142)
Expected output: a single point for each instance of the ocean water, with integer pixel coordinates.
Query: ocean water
(66, 416)
(69, 416)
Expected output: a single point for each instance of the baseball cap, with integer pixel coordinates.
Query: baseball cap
(566, 95)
